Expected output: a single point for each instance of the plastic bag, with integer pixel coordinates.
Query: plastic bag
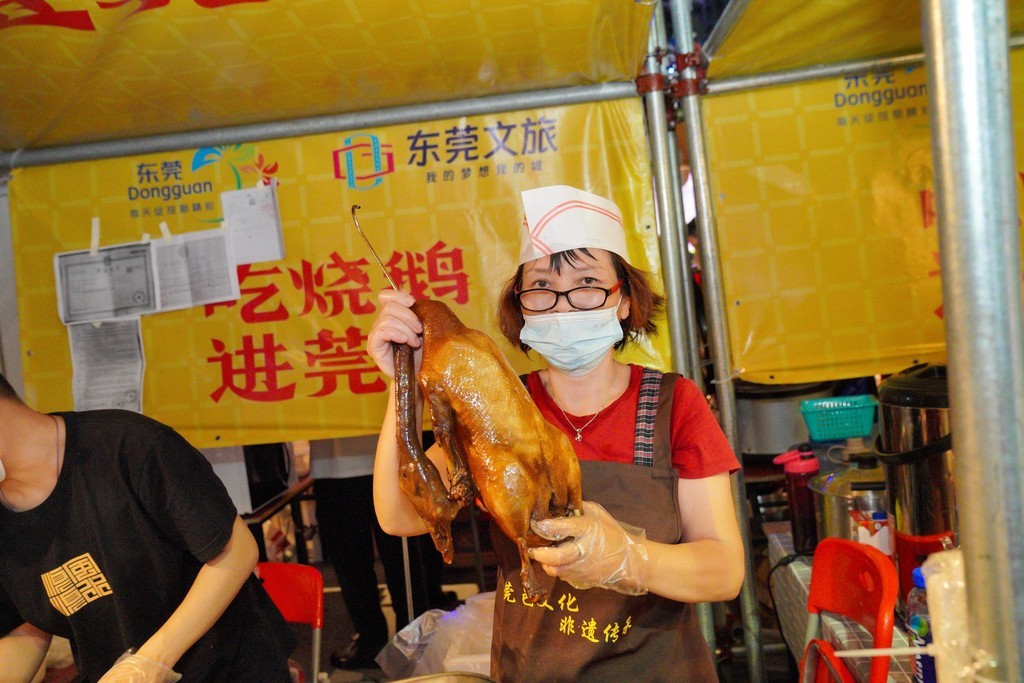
(462, 636)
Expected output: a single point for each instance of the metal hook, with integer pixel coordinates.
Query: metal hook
(370, 247)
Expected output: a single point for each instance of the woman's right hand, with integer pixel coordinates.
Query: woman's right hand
(395, 324)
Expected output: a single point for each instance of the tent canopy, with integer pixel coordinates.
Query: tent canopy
(783, 35)
(78, 72)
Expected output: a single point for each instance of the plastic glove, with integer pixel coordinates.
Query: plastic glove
(601, 552)
(132, 668)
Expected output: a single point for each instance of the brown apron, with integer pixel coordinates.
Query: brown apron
(598, 634)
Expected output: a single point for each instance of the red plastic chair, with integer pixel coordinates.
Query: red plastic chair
(820, 664)
(858, 582)
(298, 592)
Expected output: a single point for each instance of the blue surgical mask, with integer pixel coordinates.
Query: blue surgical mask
(575, 342)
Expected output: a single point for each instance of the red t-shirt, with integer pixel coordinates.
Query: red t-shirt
(699, 448)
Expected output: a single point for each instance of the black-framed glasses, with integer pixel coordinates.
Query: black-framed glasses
(583, 298)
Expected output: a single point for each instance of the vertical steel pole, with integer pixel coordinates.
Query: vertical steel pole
(691, 334)
(665, 200)
(668, 201)
(410, 609)
(966, 53)
(718, 333)
(10, 347)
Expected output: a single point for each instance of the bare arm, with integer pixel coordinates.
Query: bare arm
(396, 323)
(708, 566)
(216, 585)
(22, 652)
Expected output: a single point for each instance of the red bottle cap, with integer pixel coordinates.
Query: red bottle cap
(797, 461)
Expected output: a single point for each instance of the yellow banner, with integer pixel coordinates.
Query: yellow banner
(824, 196)
(440, 202)
(791, 34)
(83, 70)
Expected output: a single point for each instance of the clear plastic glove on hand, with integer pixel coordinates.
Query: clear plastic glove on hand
(131, 668)
(601, 552)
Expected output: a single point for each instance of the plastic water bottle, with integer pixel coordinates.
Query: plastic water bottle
(919, 628)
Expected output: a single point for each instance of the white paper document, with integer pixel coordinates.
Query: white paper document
(108, 365)
(195, 268)
(254, 220)
(107, 284)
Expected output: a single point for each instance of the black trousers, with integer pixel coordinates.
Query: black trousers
(349, 531)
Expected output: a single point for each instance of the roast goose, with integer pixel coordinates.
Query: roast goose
(497, 444)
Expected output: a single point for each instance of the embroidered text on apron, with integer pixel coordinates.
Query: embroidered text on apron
(598, 634)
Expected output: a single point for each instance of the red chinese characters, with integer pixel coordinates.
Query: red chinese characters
(41, 13)
(436, 273)
(252, 372)
(269, 367)
(345, 356)
(928, 208)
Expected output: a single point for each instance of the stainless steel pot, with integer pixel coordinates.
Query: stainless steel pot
(914, 445)
(850, 502)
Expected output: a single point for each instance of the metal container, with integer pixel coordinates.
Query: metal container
(768, 418)
(914, 445)
(850, 502)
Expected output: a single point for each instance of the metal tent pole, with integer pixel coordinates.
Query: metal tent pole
(10, 357)
(725, 25)
(718, 333)
(668, 201)
(810, 73)
(973, 156)
(316, 125)
(691, 333)
(666, 198)
(766, 80)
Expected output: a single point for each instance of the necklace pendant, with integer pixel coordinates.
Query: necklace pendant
(579, 437)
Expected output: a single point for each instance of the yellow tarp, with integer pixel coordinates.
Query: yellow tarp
(287, 361)
(778, 35)
(824, 197)
(78, 70)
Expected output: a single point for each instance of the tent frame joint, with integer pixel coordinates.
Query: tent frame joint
(649, 82)
(687, 86)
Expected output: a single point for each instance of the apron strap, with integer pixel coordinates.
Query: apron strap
(663, 423)
(646, 416)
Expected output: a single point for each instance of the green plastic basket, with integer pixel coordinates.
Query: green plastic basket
(839, 417)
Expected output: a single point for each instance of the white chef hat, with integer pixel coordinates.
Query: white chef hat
(559, 218)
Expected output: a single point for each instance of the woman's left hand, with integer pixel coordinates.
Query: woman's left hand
(600, 551)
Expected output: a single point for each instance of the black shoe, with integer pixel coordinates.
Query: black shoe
(356, 656)
(355, 661)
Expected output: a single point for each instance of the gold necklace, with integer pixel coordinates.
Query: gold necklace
(579, 430)
(56, 426)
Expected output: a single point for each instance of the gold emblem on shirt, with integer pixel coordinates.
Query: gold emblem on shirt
(75, 584)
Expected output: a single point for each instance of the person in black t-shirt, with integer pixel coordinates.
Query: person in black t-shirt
(116, 534)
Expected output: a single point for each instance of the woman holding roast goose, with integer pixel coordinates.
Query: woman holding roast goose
(658, 530)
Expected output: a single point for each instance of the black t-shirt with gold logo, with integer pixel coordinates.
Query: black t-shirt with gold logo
(112, 552)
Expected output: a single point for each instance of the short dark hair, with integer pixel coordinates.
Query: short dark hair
(645, 304)
(7, 392)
